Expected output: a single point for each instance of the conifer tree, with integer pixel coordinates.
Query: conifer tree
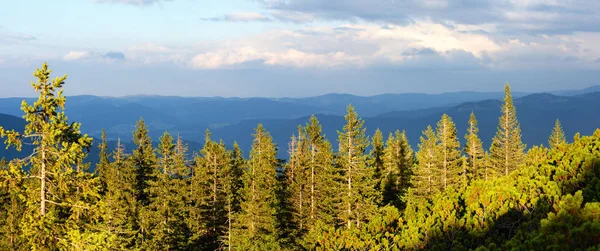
(211, 197)
(298, 172)
(11, 207)
(164, 214)
(398, 161)
(376, 158)
(58, 195)
(257, 223)
(507, 150)
(423, 180)
(557, 137)
(102, 166)
(450, 163)
(119, 212)
(359, 197)
(234, 186)
(323, 175)
(144, 160)
(474, 151)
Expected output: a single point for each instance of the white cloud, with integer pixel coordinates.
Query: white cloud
(76, 55)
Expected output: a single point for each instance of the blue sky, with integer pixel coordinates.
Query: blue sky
(300, 47)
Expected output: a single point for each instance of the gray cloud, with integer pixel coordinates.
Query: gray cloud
(548, 17)
(115, 55)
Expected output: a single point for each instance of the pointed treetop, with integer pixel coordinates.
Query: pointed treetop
(558, 135)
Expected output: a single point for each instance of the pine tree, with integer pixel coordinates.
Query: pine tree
(257, 223)
(59, 194)
(359, 197)
(211, 198)
(557, 137)
(398, 161)
(423, 180)
(474, 151)
(507, 150)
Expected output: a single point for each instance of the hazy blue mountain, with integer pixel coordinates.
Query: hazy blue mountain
(536, 113)
(235, 118)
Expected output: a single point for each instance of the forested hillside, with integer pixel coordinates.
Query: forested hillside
(349, 190)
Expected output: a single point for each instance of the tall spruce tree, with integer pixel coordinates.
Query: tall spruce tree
(323, 175)
(427, 157)
(557, 137)
(211, 197)
(119, 212)
(376, 159)
(474, 150)
(234, 186)
(257, 223)
(298, 172)
(359, 198)
(449, 164)
(164, 215)
(59, 194)
(398, 162)
(144, 160)
(103, 162)
(507, 150)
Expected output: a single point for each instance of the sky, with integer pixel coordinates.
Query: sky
(298, 48)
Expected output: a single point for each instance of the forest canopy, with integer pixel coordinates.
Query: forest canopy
(363, 192)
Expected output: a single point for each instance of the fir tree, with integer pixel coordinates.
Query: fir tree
(59, 194)
(234, 186)
(211, 199)
(298, 172)
(144, 160)
(359, 197)
(119, 212)
(449, 163)
(423, 180)
(102, 166)
(165, 212)
(376, 158)
(257, 223)
(557, 137)
(474, 151)
(323, 175)
(398, 161)
(507, 150)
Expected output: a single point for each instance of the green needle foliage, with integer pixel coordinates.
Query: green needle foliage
(507, 150)
(359, 197)
(557, 137)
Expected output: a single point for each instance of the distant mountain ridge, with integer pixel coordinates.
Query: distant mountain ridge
(235, 118)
